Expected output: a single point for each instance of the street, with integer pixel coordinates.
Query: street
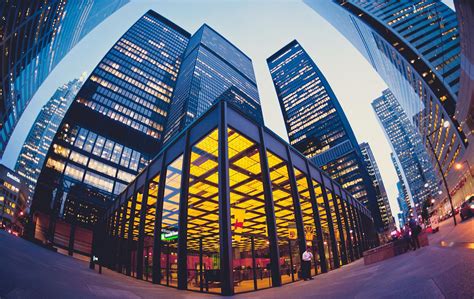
(445, 269)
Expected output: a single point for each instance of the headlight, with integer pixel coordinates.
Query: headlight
(472, 205)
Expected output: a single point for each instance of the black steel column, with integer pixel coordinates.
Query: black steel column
(122, 241)
(131, 222)
(156, 267)
(141, 226)
(225, 234)
(317, 221)
(201, 284)
(348, 229)
(270, 213)
(72, 237)
(335, 254)
(183, 218)
(254, 263)
(297, 206)
(355, 242)
(339, 226)
(359, 231)
(364, 231)
(116, 229)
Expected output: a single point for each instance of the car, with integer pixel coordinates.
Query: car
(467, 208)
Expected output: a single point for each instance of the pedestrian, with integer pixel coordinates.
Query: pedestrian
(415, 231)
(406, 237)
(306, 264)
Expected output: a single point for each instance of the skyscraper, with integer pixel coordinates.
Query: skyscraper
(34, 37)
(416, 169)
(112, 129)
(211, 65)
(317, 125)
(414, 46)
(377, 182)
(38, 141)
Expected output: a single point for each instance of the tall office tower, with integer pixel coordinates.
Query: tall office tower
(377, 182)
(414, 46)
(34, 36)
(403, 198)
(417, 171)
(113, 128)
(211, 65)
(317, 125)
(37, 143)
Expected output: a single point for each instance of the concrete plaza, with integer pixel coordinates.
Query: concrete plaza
(445, 269)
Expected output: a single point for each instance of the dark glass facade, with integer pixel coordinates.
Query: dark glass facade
(228, 207)
(112, 129)
(317, 125)
(415, 48)
(34, 36)
(211, 65)
(37, 143)
(410, 154)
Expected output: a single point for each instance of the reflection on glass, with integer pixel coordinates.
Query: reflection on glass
(340, 208)
(333, 217)
(169, 225)
(324, 224)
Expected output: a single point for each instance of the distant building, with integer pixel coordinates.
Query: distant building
(38, 141)
(110, 132)
(421, 51)
(316, 124)
(34, 37)
(12, 200)
(417, 172)
(376, 177)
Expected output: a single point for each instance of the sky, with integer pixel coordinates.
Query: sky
(259, 29)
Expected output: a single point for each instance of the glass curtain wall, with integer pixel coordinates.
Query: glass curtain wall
(149, 227)
(203, 260)
(250, 245)
(324, 217)
(290, 260)
(308, 219)
(169, 226)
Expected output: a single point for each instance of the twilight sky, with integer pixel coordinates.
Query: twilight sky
(258, 28)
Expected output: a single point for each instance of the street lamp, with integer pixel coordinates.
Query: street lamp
(445, 125)
(460, 165)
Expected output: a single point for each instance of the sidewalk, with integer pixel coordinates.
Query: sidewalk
(436, 271)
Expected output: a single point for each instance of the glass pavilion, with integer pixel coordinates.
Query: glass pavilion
(229, 207)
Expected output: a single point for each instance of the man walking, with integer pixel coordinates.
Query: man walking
(306, 265)
(415, 231)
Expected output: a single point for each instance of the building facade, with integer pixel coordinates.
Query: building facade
(37, 143)
(110, 132)
(228, 201)
(415, 48)
(12, 200)
(317, 125)
(377, 182)
(34, 37)
(414, 164)
(211, 65)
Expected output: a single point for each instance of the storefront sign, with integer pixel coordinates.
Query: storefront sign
(168, 236)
